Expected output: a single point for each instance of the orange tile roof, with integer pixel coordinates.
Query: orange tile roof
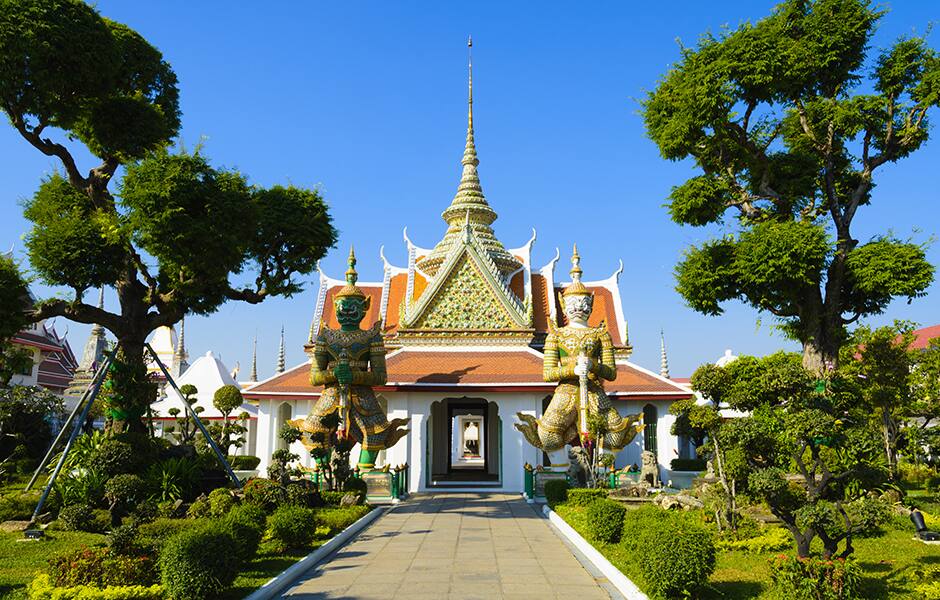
(923, 336)
(540, 303)
(514, 369)
(397, 287)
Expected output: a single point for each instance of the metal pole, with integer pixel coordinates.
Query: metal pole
(61, 434)
(202, 428)
(74, 434)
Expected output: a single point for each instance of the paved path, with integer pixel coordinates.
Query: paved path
(453, 546)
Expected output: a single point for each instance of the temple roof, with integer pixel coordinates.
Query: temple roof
(208, 374)
(500, 370)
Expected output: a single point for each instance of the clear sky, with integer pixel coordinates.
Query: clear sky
(368, 101)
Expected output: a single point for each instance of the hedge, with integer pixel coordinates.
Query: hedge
(585, 496)
(556, 492)
(41, 588)
(199, 563)
(605, 520)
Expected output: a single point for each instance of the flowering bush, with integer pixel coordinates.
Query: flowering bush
(815, 579)
(99, 567)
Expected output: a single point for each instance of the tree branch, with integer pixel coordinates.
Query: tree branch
(79, 312)
(47, 146)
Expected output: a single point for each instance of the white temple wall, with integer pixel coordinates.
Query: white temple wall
(413, 447)
(667, 444)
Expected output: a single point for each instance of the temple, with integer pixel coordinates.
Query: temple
(465, 323)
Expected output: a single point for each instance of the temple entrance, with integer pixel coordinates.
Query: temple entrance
(463, 443)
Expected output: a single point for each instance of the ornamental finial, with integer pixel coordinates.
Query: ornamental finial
(254, 360)
(663, 362)
(576, 288)
(280, 354)
(350, 288)
(470, 83)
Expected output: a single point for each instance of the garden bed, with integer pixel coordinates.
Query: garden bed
(888, 562)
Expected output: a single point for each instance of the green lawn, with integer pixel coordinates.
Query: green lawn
(884, 559)
(20, 560)
(266, 564)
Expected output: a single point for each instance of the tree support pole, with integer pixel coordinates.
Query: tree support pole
(45, 460)
(202, 428)
(68, 446)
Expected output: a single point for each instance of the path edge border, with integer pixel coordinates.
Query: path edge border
(280, 581)
(612, 573)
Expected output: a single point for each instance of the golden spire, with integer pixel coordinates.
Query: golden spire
(350, 288)
(576, 288)
(469, 198)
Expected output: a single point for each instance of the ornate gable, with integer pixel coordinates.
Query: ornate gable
(467, 298)
(465, 301)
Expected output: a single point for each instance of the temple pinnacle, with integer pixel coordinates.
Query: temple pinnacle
(280, 353)
(663, 362)
(253, 376)
(469, 199)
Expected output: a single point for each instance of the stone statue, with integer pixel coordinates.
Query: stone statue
(650, 472)
(347, 362)
(580, 358)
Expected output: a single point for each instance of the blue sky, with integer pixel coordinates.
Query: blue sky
(368, 102)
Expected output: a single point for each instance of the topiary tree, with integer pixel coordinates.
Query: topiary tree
(176, 230)
(816, 427)
(185, 429)
(778, 117)
(226, 399)
(924, 409)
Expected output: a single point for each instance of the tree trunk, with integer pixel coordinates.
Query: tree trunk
(130, 389)
(819, 354)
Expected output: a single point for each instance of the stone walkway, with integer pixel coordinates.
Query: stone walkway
(453, 546)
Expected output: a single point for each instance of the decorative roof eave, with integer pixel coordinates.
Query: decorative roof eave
(548, 273)
(525, 251)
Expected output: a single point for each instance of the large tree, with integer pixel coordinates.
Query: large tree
(787, 120)
(178, 235)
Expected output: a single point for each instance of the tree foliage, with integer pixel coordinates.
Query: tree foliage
(806, 447)
(779, 119)
(179, 235)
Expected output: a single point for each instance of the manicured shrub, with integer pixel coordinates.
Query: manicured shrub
(303, 493)
(605, 519)
(637, 520)
(357, 486)
(100, 567)
(17, 506)
(584, 496)
(114, 457)
(556, 492)
(244, 463)
(675, 556)
(124, 540)
(200, 508)
(198, 563)
(221, 501)
(123, 492)
(688, 464)
(155, 532)
(246, 526)
(332, 498)
(42, 588)
(338, 519)
(265, 493)
(815, 579)
(292, 526)
(145, 511)
(77, 517)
